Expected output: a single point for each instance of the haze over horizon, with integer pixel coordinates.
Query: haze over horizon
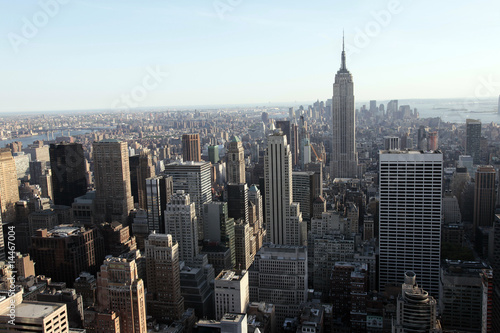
(85, 56)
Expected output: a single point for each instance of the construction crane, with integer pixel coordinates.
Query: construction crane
(314, 151)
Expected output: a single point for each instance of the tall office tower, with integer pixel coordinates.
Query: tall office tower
(344, 157)
(232, 293)
(495, 318)
(134, 166)
(255, 197)
(112, 181)
(237, 201)
(219, 227)
(213, 154)
(244, 251)
(305, 191)
(406, 142)
(484, 197)
(256, 216)
(432, 141)
(303, 141)
(284, 126)
(45, 183)
(67, 163)
(294, 143)
(462, 295)
(2, 241)
(417, 310)
(422, 138)
(159, 190)
(164, 299)
(181, 223)
(37, 168)
(391, 143)
(38, 152)
(283, 218)
(194, 179)
(145, 170)
(9, 191)
(120, 289)
(235, 161)
(392, 107)
(347, 292)
(279, 276)
(373, 106)
(65, 251)
(473, 140)
(410, 216)
(191, 150)
(265, 117)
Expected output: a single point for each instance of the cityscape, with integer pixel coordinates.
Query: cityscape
(334, 214)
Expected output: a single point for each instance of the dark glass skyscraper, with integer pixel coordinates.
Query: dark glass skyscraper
(67, 163)
(473, 143)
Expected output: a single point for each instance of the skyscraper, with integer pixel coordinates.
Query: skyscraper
(194, 179)
(213, 154)
(219, 227)
(120, 289)
(279, 276)
(164, 298)
(67, 163)
(9, 191)
(484, 197)
(344, 157)
(473, 140)
(191, 147)
(283, 218)
(410, 216)
(145, 170)
(235, 161)
(112, 181)
(66, 250)
(181, 223)
(159, 190)
(237, 201)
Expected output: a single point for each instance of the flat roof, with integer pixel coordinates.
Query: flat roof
(38, 310)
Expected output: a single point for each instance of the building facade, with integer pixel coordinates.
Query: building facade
(113, 200)
(410, 216)
(344, 158)
(164, 299)
(283, 217)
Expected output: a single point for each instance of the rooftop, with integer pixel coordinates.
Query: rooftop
(36, 309)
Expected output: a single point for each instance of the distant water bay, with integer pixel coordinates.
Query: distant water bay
(455, 110)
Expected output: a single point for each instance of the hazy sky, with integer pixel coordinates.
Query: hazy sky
(95, 54)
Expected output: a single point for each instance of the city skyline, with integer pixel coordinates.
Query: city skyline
(223, 53)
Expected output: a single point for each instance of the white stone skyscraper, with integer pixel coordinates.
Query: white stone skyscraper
(181, 223)
(344, 159)
(410, 216)
(283, 217)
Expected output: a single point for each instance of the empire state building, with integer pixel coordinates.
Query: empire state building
(344, 159)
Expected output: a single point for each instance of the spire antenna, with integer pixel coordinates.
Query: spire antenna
(343, 67)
